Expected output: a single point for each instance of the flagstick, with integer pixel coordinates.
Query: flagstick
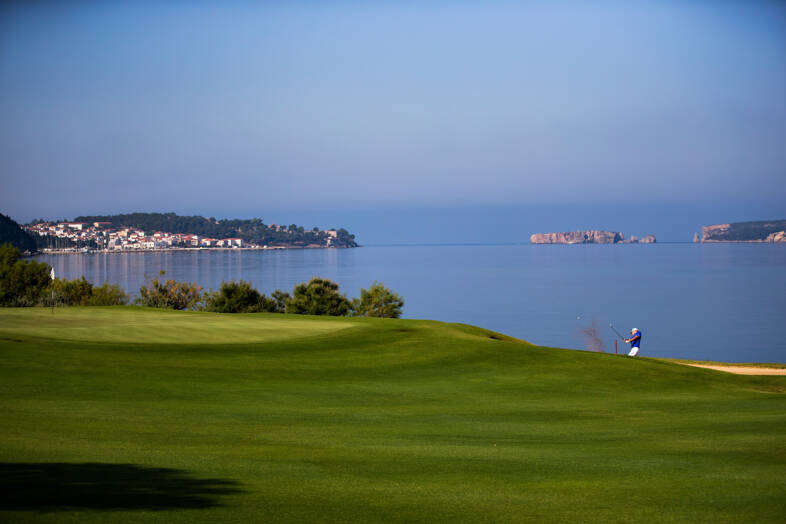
(52, 274)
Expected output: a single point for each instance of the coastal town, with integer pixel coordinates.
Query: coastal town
(66, 237)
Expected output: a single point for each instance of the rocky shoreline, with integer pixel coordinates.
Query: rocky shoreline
(84, 251)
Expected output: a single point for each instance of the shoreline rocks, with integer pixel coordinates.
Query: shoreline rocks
(780, 236)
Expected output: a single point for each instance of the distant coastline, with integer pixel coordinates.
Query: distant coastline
(87, 251)
(762, 231)
(136, 232)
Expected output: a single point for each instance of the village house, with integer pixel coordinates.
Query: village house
(72, 225)
(230, 242)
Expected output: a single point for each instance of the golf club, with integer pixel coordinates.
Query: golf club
(617, 332)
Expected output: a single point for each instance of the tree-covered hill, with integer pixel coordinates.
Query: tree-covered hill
(11, 232)
(250, 230)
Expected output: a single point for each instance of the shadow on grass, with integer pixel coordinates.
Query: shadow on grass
(56, 486)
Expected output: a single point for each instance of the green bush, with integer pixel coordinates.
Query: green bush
(22, 282)
(171, 294)
(318, 297)
(72, 292)
(239, 297)
(108, 295)
(281, 298)
(80, 292)
(377, 301)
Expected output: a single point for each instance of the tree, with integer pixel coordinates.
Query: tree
(318, 297)
(170, 294)
(377, 301)
(239, 297)
(11, 232)
(22, 282)
(233, 297)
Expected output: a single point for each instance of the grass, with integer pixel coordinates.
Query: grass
(131, 414)
(156, 326)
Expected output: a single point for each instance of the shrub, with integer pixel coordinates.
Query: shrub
(22, 282)
(72, 292)
(108, 295)
(239, 297)
(80, 292)
(171, 294)
(318, 297)
(281, 299)
(377, 301)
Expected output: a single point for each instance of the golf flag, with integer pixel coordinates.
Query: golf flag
(52, 274)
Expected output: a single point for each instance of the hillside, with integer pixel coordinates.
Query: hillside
(12, 233)
(134, 414)
(761, 231)
(250, 230)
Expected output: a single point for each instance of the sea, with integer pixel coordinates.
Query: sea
(724, 302)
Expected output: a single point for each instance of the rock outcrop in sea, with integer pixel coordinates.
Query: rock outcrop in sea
(591, 236)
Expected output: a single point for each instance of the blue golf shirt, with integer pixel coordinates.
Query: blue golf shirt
(634, 342)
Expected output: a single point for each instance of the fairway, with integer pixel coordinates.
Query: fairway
(139, 415)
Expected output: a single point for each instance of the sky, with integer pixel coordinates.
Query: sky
(401, 121)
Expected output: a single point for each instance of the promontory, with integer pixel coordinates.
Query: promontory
(590, 236)
(761, 231)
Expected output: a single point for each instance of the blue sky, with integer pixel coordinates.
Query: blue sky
(402, 121)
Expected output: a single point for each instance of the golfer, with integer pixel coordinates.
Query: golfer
(635, 340)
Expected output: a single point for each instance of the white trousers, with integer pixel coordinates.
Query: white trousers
(633, 352)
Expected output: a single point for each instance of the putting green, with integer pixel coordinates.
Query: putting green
(146, 325)
(138, 415)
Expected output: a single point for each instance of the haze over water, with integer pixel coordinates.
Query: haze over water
(425, 122)
(707, 302)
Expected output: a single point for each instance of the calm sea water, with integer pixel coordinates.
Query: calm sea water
(711, 302)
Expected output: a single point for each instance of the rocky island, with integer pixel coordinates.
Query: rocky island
(760, 231)
(589, 237)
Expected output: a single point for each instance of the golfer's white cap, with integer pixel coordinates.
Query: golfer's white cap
(634, 330)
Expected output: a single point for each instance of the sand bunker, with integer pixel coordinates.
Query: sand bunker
(742, 370)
